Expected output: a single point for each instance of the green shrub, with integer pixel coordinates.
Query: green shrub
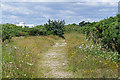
(106, 33)
(55, 27)
(10, 30)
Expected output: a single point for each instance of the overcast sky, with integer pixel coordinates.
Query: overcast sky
(39, 11)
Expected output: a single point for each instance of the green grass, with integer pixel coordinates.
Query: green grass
(20, 56)
(88, 59)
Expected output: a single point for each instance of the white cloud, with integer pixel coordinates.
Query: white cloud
(78, 19)
(72, 12)
(62, 13)
(90, 19)
(11, 16)
(60, 0)
(103, 10)
(67, 12)
(98, 3)
(16, 9)
(47, 16)
(10, 19)
(42, 8)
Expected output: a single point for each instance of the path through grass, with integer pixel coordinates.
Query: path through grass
(53, 57)
(54, 63)
(21, 56)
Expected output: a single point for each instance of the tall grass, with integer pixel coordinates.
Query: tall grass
(0, 60)
(20, 57)
(88, 60)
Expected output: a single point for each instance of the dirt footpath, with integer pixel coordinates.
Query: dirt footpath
(53, 63)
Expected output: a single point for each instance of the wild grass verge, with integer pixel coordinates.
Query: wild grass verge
(20, 56)
(86, 59)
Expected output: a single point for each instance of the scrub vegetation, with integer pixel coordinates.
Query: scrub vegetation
(91, 49)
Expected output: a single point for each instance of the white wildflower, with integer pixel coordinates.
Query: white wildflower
(63, 63)
(10, 62)
(29, 64)
(80, 47)
(92, 46)
(15, 47)
(82, 44)
(6, 44)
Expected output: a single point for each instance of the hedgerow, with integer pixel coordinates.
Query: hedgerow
(106, 33)
(52, 27)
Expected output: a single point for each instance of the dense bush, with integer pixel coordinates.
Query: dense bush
(81, 28)
(38, 30)
(71, 28)
(106, 33)
(55, 27)
(10, 30)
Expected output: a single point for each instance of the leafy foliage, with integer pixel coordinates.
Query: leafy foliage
(55, 27)
(71, 28)
(10, 30)
(106, 33)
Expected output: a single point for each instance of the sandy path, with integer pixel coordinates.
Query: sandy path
(53, 63)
